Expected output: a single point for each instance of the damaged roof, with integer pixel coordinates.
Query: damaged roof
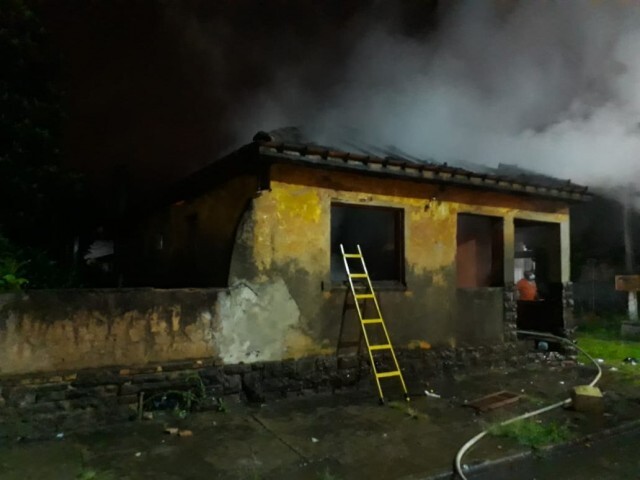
(290, 145)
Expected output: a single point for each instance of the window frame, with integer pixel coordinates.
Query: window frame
(399, 233)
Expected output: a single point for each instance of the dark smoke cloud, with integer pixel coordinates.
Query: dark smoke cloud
(552, 86)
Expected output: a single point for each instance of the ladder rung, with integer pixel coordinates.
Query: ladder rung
(363, 296)
(395, 373)
(367, 321)
(359, 275)
(352, 255)
(386, 346)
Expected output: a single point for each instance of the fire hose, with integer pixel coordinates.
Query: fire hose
(467, 446)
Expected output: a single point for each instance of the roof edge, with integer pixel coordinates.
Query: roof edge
(323, 157)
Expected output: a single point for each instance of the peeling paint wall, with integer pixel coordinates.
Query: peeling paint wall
(273, 248)
(51, 330)
(266, 308)
(285, 237)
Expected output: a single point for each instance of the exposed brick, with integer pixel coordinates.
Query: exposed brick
(237, 369)
(50, 396)
(129, 389)
(232, 384)
(127, 399)
(149, 377)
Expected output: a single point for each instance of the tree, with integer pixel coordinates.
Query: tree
(39, 200)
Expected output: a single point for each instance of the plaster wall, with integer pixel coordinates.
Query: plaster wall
(284, 237)
(57, 330)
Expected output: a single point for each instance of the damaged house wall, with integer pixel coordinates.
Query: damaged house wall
(67, 330)
(285, 237)
(189, 242)
(263, 230)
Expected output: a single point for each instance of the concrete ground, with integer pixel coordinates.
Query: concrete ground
(323, 437)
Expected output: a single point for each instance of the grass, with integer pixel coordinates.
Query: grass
(327, 475)
(607, 345)
(91, 474)
(532, 433)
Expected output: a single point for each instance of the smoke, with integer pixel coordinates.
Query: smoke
(551, 86)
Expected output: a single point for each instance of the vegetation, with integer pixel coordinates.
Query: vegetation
(40, 201)
(32, 267)
(533, 433)
(606, 344)
(92, 474)
(11, 268)
(327, 475)
(181, 402)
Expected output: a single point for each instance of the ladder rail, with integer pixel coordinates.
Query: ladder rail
(362, 326)
(384, 326)
(379, 319)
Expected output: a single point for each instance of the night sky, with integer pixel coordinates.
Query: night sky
(152, 86)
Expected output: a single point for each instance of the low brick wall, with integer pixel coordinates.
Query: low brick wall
(40, 406)
(82, 359)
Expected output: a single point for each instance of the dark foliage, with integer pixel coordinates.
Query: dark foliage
(40, 202)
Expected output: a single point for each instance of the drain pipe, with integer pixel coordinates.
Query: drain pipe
(467, 446)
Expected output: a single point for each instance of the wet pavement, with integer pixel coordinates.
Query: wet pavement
(611, 458)
(341, 436)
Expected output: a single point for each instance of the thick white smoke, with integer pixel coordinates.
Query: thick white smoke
(552, 86)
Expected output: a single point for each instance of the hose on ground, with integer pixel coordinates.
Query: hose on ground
(467, 446)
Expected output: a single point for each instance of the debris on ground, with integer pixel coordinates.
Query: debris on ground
(493, 401)
(631, 361)
(431, 394)
(147, 416)
(178, 432)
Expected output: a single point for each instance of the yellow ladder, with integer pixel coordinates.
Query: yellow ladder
(376, 320)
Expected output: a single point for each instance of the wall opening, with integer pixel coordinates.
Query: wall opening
(380, 233)
(537, 249)
(480, 251)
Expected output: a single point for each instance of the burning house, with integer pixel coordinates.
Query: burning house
(249, 285)
(444, 245)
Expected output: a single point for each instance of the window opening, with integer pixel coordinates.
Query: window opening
(380, 233)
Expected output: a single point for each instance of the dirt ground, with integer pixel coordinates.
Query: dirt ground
(324, 437)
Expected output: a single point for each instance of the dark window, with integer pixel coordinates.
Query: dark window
(379, 232)
(538, 248)
(480, 252)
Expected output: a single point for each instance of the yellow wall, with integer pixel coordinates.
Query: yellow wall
(286, 236)
(49, 330)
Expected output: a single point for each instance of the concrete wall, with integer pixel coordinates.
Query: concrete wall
(44, 331)
(284, 239)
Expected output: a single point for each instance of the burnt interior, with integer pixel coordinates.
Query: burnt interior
(537, 248)
(378, 231)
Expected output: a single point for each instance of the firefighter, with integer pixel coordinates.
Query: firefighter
(527, 288)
